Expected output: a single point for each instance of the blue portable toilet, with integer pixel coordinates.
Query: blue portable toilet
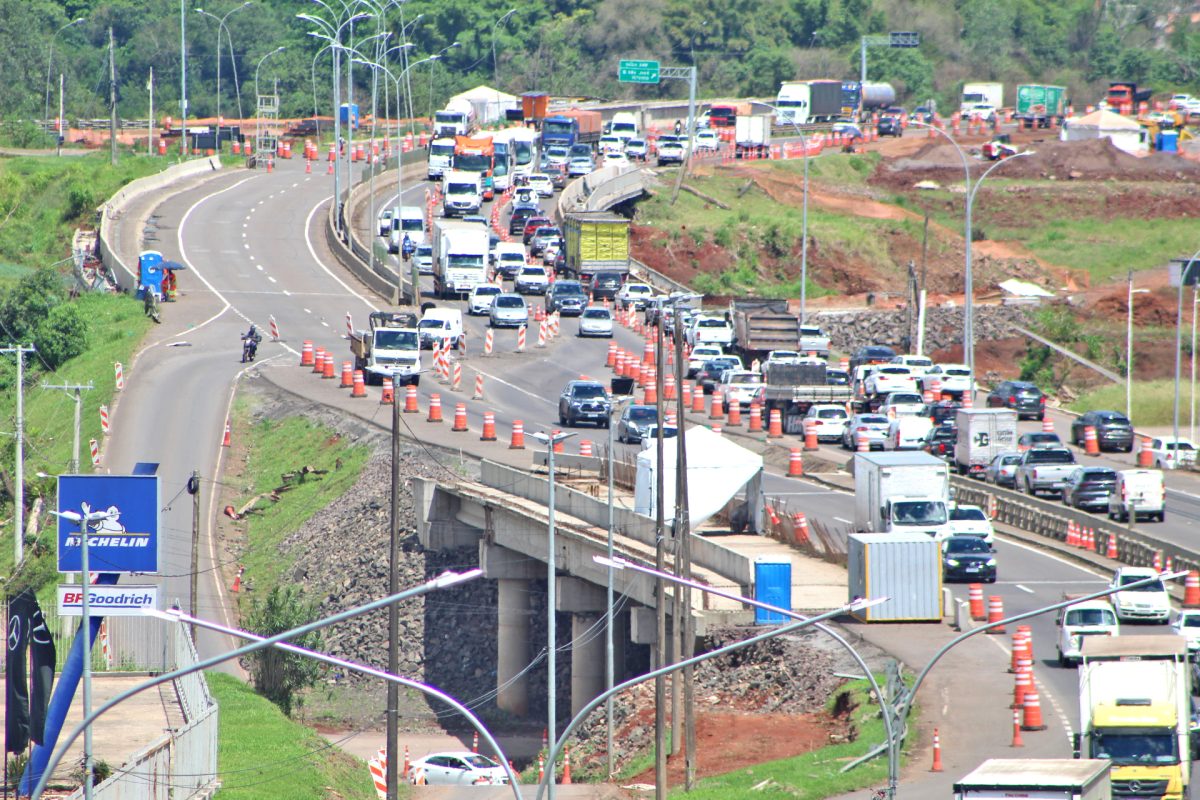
(349, 115)
(1167, 142)
(772, 585)
(150, 273)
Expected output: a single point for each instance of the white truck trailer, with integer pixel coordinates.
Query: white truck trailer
(906, 492)
(460, 256)
(983, 434)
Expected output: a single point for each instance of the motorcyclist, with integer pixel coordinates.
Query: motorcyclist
(407, 247)
(678, 127)
(250, 340)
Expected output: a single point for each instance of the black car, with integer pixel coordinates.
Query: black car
(939, 441)
(516, 225)
(968, 558)
(1114, 431)
(944, 413)
(605, 284)
(710, 374)
(1088, 488)
(889, 126)
(635, 423)
(1021, 396)
(837, 377)
(567, 298)
(584, 401)
(871, 354)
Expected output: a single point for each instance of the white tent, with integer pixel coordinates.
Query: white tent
(717, 469)
(489, 104)
(1123, 132)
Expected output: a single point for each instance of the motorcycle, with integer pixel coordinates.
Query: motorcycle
(250, 347)
(407, 250)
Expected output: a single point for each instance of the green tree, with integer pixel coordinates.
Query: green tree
(988, 32)
(28, 303)
(277, 674)
(61, 336)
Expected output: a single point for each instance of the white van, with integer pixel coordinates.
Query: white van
(410, 220)
(1139, 492)
(1078, 621)
(907, 433)
(624, 125)
(441, 325)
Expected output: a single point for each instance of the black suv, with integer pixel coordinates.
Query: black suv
(889, 126)
(516, 225)
(1114, 431)
(940, 441)
(871, 354)
(567, 298)
(1021, 396)
(605, 284)
(1088, 488)
(584, 401)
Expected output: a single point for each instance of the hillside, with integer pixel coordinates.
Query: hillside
(570, 47)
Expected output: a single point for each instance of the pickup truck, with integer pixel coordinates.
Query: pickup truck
(389, 348)
(1044, 470)
(814, 340)
(741, 386)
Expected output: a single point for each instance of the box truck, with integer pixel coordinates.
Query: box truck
(901, 493)
(460, 256)
(983, 434)
(1037, 104)
(752, 136)
(1043, 778)
(974, 94)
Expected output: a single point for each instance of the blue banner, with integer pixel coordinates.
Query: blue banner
(128, 539)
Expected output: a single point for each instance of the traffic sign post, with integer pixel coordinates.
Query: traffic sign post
(893, 39)
(638, 71)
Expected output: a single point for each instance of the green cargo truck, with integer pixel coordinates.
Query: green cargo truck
(596, 241)
(1037, 104)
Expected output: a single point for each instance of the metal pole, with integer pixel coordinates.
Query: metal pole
(393, 691)
(112, 98)
(194, 598)
(1192, 419)
(609, 668)
(61, 123)
(337, 136)
(804, 238)
(19, 489)
(551, 623)
(150, 121)
(1129, 351)
(495, 68)
(183, 104)
(1178, 357)
(75, 451)
(862, 69)
(683, 535)
(660, 589)
(85, 630)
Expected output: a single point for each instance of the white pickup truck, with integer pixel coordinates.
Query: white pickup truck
(814, 340)
(1044, 469)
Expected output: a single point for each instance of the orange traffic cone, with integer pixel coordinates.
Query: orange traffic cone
(734, 413)
(975, 594)
(755, 417)
(1016, 740)
(489, 427)
(1020, 688)
(306, 354)
(435, 408)
(775, 428)
(360, 385)
(347, 375)
(716, 411)
(566, 776)
(389, 393)
(795, 463)
(995, 612)
(225, 440)
(1191, 590)
(460, 418)
(410, 400)
(1033, 713)
(937, 752)
(1111, 551)
(518, 435)
(698, 400)
(318, 362)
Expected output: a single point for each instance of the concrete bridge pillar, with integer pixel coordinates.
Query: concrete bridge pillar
(587, 659)
(512, 646)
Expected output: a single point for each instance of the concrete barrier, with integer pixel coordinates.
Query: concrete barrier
(112, 211)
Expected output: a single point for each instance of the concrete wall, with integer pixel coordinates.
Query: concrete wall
(126, 273)
(705, 552)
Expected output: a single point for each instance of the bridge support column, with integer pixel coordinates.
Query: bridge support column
(587, 659)
(512, 646)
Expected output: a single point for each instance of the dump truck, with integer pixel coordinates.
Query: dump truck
(761, 325)
(596, 241)
(1124, 96)
(1135, 709)
(573, 126)
(1047, 778)
(983, 434)
(389, 348)
(1038, 104)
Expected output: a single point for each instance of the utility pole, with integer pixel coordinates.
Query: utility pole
(150, 121)
(393, 692)
(19, 494)
(62, 124)
(183, 104)
(112, 97)
(683, 534)
(77, 389)
(193, 487)
(661, 645)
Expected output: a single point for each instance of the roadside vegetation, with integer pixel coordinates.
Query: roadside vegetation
(1153, 402)
(264, 755)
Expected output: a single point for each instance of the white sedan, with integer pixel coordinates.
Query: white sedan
(1170, 453)
(700, 354)
(541, 183)
(707, 140)
(829, 421)
(596, 321)
(456, 769)
(614, 158)
(1187, 625)
(972, 521)
(480, 300)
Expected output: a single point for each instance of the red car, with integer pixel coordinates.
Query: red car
(532, 224)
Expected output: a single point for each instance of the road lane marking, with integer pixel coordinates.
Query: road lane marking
(313, 252)
(1024, 588)
(503, 382)
(1051, 556)
(848, 522)
(324, 324)
(1043, 691)
(272, 279)
(307, 311)
(260, 267)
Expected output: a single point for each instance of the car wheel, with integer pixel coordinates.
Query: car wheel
(1041, 416)
(1162, 516)
(561, 419)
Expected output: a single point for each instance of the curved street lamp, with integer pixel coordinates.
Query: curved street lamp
(232, 56)
(50, 58)
(495, 68)
(803, 214)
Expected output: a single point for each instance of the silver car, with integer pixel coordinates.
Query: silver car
(873, 426)
(1003, 469)
(596, 322)
(424, 259)
(508, 311)
(580, 166)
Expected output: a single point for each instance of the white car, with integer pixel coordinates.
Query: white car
(1169, 453)
(907, 432)
(385, 222)
(596, 321)
(1149, 602)
(508, 311)
(918, 364)
(550, 255)
(481, 297)
(1187, 625)
(873, 426)
(541, 183)
(983, 111)
(971, 521)
(456, 769)
(782, 357)
(707, 140)
(829, 420)
(636, 148)
(700, 354)
(615, 159)
(531, 279)
(954, 378)
(903, 404)
(710, 330)
(610, 144)
(888, 378)
(1078, 621)
(634, 294)
(742, 386)
(424, 259)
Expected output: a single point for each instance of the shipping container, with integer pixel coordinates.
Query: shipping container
(534, 105)
(904, 568)
(1038, 103)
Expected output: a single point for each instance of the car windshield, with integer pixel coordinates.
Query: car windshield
(1009, 460)
(710, 323)
(962, 513)
(432, 324)
(514, 257)
(441, 149)
(564, 287)
(721, 364)
(745, 377)
(918, 512)
(425, 250)
(895, 370)
(831, 413)
(486, 290)
(1090, 616)
(1049, 457)
(534, 272)
(873, 420)
(1190, 621)
(480, 762)
(412, 224)
(465, 260)
(966, 544)
(1099, 476)
(901, 398)
(1142, 747)
(580, 150)
(596, 313)
(508, 301)
(959, 373)
(1152, 586)
(1041, 437)
(556, 152)
(642, 413)
(546, 231)
(388, 339)
(589, 390)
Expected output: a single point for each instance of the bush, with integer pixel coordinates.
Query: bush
(277, 674)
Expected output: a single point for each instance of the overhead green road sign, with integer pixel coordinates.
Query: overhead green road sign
(638, 72)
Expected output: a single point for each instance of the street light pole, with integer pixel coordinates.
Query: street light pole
(221, 27)
(609, 666)
(1184, 270)
(49, 59)
(495, 67)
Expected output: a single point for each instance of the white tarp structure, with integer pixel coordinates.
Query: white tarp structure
(1123, 132)
(717, 469)
(489, 104)
(1023, 289)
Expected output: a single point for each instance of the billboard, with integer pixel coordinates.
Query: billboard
(127, 540)
(107, 601)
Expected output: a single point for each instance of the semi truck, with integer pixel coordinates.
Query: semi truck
(861, 97)
(752, 136)
(1134, 710)
(974, 94)
(726, 115)
(456, 119)
(460, 257)
(906, 492)
(1125, 95)
(596, 241)
(1043, 778)
(983, 434)
(807, 102)
(478, 155)
(1038, 104)
(441, 157)
(573, 126)
(389, 348)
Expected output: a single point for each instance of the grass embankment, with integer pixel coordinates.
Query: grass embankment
(1153, 402)
(43, 200)
(275, 447)
(263, 754)
(765, 235)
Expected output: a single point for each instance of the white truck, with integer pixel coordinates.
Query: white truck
(460, 257)
(1079, 621)
(977, 94)
(1042, 778)
(624, 126)
(462, 193)
(983, 434)
(1135, 711)
(1138, 493)
(389, 348)
(905, 492)
(813, 340)
(441, 157)
(1044, 469)
(456, 119)
(752, 136)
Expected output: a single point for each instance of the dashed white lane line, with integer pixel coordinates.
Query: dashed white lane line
(1025, 589)
(307, 311)
(271, 279)
(260, 267)
(324, 324)
(312, 251)
(845, 521)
